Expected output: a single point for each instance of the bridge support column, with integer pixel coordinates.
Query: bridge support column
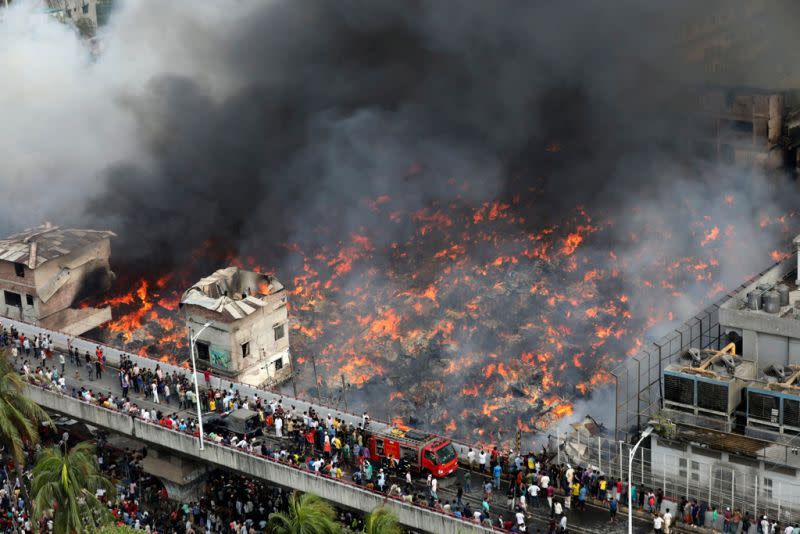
(183, 479)
(188, 492)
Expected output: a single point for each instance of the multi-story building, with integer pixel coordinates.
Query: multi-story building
(46, 270)
(248, 338)
(736, 405)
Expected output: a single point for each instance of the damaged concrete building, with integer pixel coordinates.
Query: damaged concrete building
(248, 339)
(46, 270)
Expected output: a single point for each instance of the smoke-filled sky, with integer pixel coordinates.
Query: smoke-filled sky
(254, 124)
(253, 119)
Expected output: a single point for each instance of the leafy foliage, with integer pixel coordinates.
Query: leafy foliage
(115, 529)
(19, 416)
(382, 521)
(308, 514)
(65, 485)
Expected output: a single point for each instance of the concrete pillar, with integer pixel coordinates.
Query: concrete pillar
(750, 345)
(191, 491)
(183, 478)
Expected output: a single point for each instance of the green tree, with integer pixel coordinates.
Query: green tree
(20, 417)
(66, 485)
(308, 514)
(382, 521)
(115, 529)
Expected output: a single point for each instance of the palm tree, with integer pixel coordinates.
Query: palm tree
(67, 484)
(308, 514)
(20, 417)
(382, 521)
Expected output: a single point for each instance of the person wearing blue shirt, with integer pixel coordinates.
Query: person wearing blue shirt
(582, 498)
(497, 472)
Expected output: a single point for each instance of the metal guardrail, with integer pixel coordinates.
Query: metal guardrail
(113, 356)
(409, 513)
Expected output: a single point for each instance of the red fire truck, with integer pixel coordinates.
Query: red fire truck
(425, 453)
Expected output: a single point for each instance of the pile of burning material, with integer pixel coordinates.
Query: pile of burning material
(146, 321)
(474, 321)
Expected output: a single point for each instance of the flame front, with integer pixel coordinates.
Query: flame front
(473, 320)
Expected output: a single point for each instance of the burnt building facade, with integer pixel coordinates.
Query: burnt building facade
(46, 270)
(248, 338)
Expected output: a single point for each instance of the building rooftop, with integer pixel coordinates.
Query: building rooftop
(770, 303)
(37, 245)
(232, 292)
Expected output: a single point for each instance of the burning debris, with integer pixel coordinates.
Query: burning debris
(247, 338)
(46, 270)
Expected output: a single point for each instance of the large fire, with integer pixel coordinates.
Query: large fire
(473, 323)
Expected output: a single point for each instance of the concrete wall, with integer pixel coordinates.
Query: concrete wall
(22, 285)
(339, 492)
(766, 338)
(83, 261)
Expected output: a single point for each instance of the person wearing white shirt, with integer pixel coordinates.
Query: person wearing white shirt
(667, 521)
(471, 458)
(482, 460)
(533, 491)
(658, 524)
(562, 524)
(557, 508)
(764, 524)
(279, 427)
(544, 482)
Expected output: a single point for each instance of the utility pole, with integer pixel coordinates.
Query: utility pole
(316, 378)
(192, 340)
(344, 392)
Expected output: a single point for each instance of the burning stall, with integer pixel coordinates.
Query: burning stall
(248, 339)
(45, 270)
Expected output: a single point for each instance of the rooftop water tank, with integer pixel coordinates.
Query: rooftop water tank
(771, 302)
(783, 291)
(754, 300)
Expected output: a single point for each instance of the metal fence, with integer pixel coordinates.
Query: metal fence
(638, 379)
(748, 488)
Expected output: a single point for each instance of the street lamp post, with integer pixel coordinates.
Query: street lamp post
(192, 340)
(647, 431)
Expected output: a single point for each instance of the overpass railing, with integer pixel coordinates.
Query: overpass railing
(254, 464)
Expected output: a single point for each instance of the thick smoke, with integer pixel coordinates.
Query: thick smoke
(253, 124)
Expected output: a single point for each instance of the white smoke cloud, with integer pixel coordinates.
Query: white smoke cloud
(67, 117)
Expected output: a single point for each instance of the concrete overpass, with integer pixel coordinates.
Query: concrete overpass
(337, 491)
(112, 358)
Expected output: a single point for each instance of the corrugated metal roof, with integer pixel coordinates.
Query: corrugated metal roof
(40, 244)
(228, 291)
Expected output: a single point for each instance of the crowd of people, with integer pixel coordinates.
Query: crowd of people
(328, 445)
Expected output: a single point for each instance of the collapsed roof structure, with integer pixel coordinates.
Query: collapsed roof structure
(248, 337)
